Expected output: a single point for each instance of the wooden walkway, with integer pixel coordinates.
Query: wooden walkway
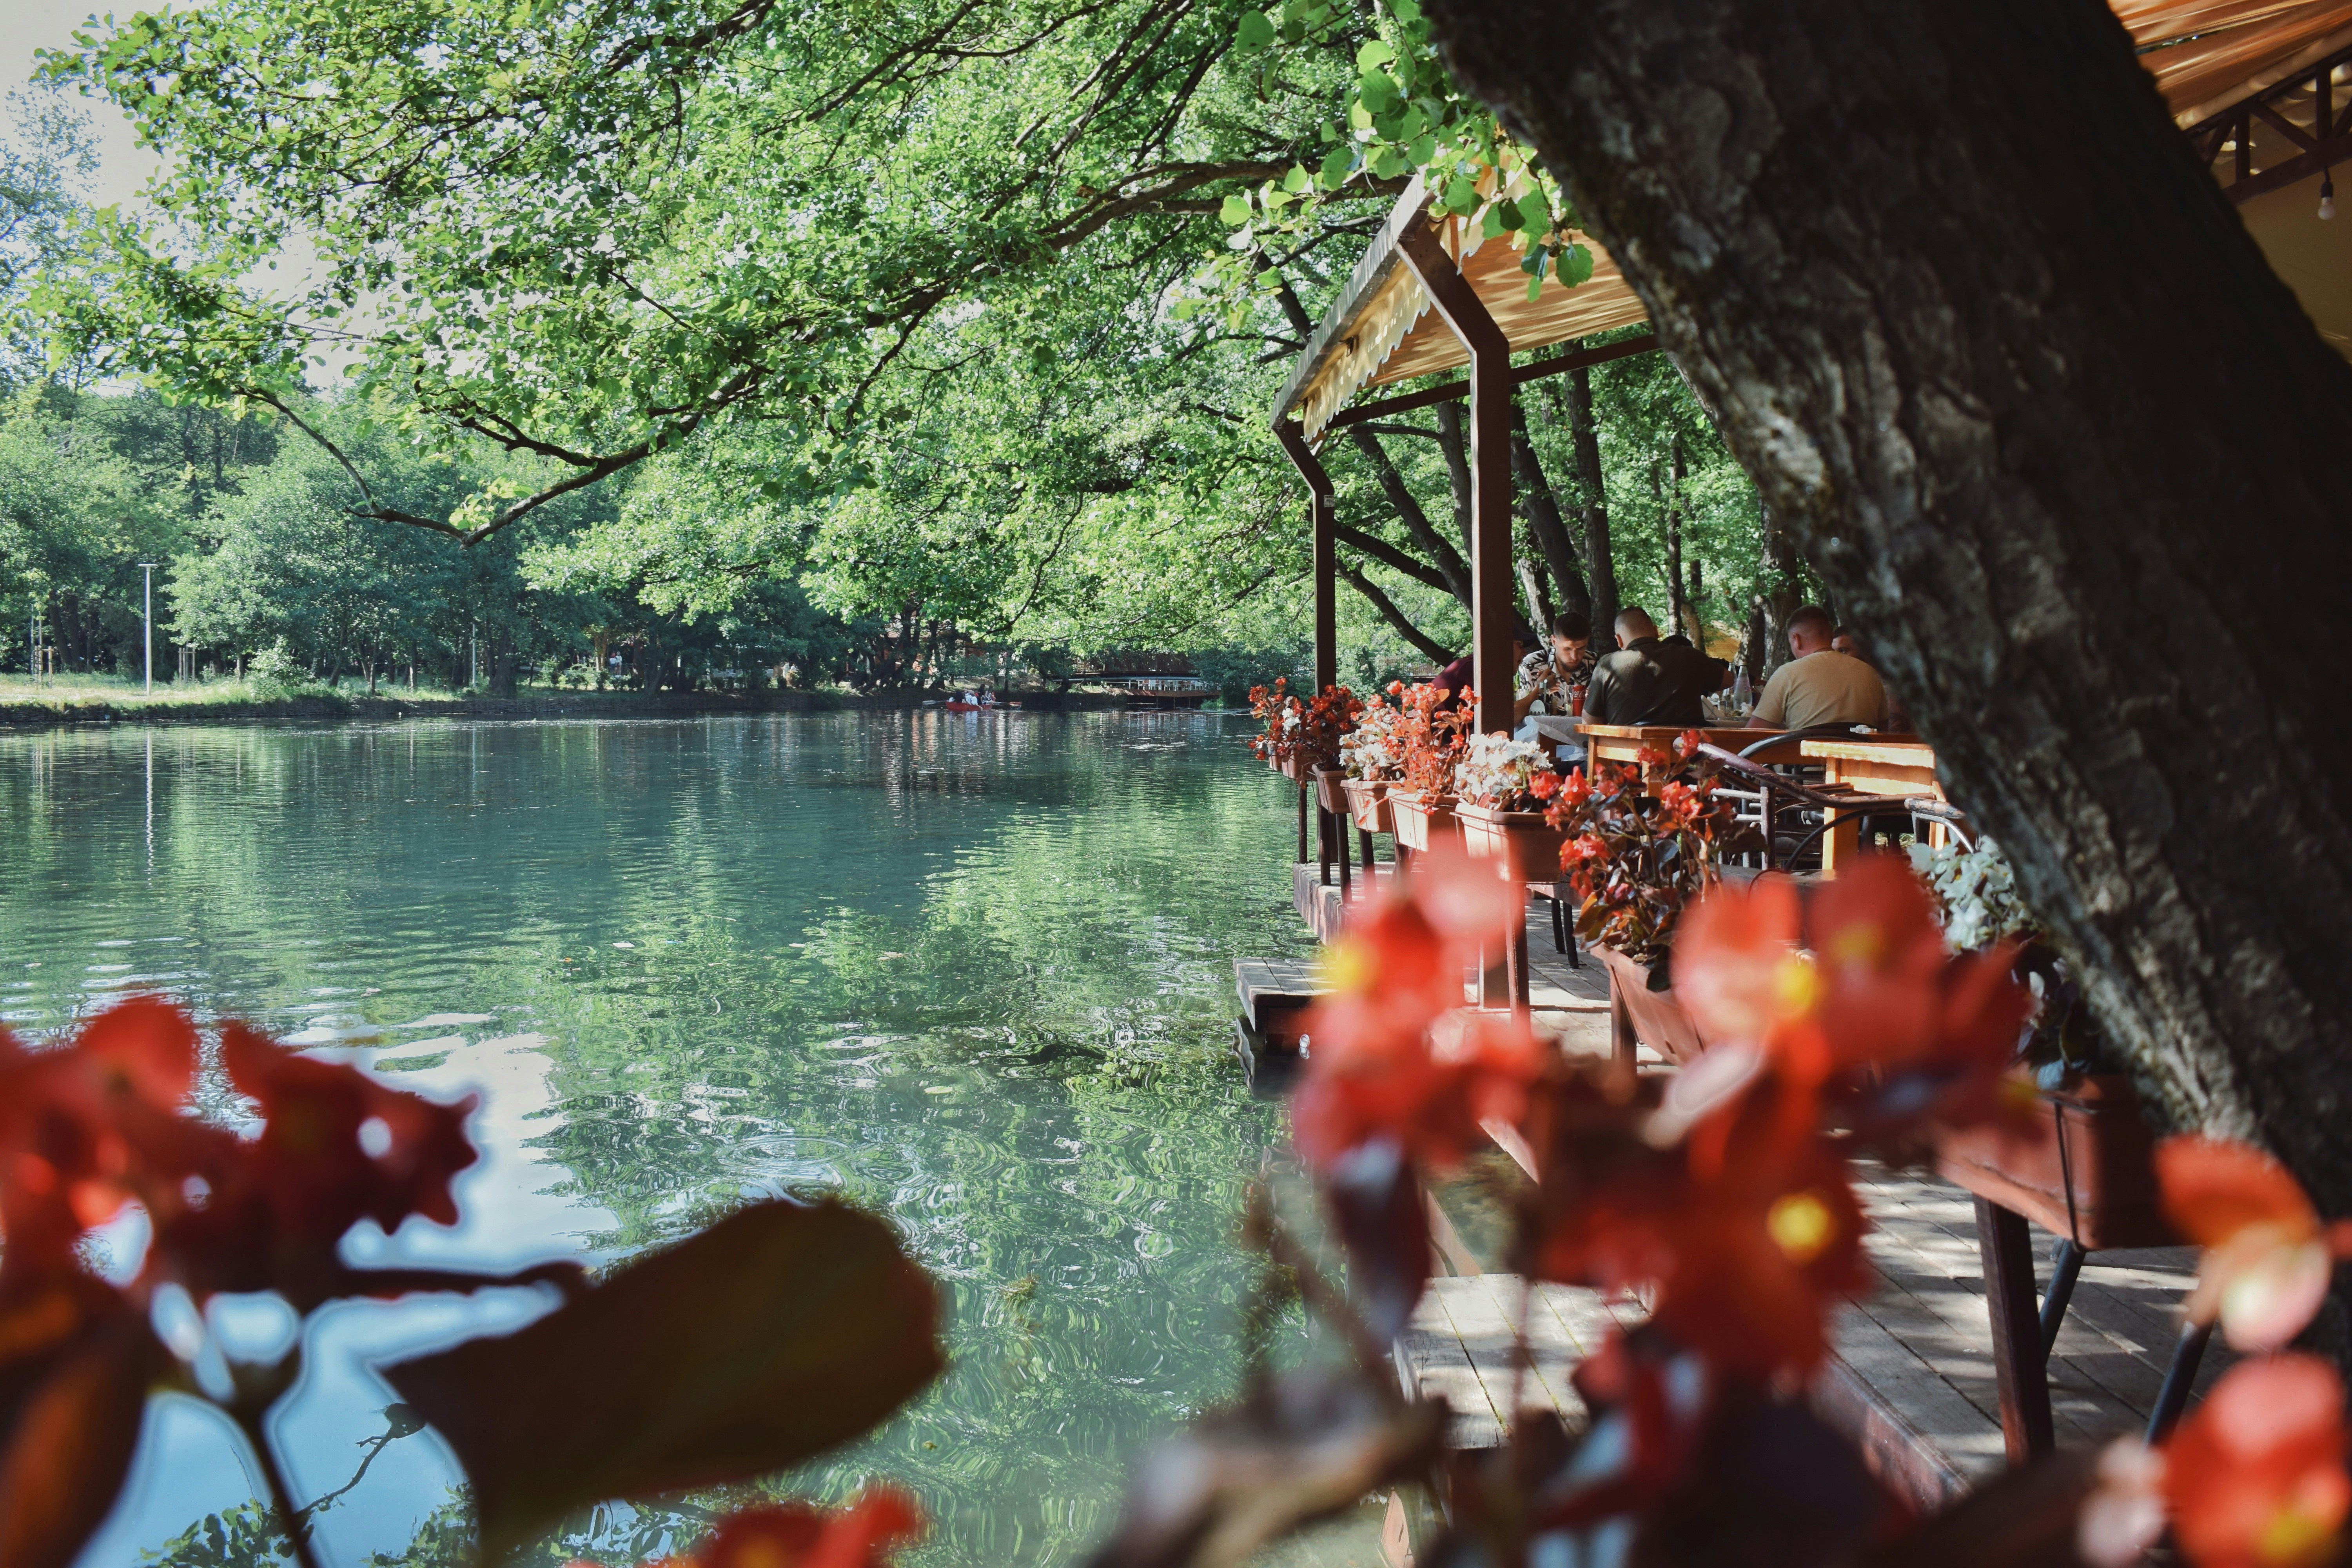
(1911, 1376)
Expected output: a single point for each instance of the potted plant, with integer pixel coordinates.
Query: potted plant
(1370, 760)
(1324, 725)
(1276, 712)
(1636, 860)
(2091, 1179)
(1431, 733)
(1501, 787)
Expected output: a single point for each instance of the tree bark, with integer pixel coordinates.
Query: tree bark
(1676, 617)
(1544, 520)
(1431, 649)
(1592, 505)
(1454, 441)
(2002, 356)
(1450, 562)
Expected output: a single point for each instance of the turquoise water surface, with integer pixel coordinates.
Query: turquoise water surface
(973, 972)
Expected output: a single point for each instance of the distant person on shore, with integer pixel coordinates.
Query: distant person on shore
(1819, 685)
(1647, 681)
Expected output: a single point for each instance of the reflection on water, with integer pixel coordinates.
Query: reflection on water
(973, 972)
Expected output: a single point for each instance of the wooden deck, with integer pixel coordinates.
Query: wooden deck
(1911, 1378)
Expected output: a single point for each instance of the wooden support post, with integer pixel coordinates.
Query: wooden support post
(1494, 671)
(2018, 1373)
(1322, 517)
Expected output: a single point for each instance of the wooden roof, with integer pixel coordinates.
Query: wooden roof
(2204, 54)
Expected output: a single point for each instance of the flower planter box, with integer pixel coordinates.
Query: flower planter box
(1423, 825)
(1636, 1011)
(1330, 788)
(1368, 805)
(1528, 846)
(2095, 1134)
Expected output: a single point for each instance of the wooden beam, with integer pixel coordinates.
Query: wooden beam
(1493, 670)
(1322, 510)
(1558, 364)
(2293, 171)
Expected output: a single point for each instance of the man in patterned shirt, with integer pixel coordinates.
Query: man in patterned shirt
(1546, 675)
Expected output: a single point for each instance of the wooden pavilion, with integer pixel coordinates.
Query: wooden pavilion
(2263, 88)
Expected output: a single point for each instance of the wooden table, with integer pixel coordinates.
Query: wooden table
(1896, 769)
(1624, 743)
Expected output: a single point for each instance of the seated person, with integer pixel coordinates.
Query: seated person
(1647, 681)
(1819, 685)
(1546, 679)
(1547, 674)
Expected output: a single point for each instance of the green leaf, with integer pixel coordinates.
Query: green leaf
(1377, 90)
(1255, 31)
(1424, 148)
(1373, 54)
(776, 1334)
(1575, 266)
(1492, 226)
(1338, 167)
(1405, 10)
(1461, 194)
(1295, 181)
(1235, 209)
(1387, 162)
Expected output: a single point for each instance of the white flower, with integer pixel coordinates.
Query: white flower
(1496, 769)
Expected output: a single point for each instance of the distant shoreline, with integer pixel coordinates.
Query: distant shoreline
(316, 707)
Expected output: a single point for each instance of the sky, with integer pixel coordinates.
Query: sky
(27, 27)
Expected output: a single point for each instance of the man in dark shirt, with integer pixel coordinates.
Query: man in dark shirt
(1647, 681)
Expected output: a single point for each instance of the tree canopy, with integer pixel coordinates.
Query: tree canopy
(959, 309)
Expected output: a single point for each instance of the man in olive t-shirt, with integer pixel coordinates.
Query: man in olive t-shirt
(1647, 681)
(1819, 685)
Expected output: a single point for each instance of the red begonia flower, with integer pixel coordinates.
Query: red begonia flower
(796, 1535)
(1748, 1243)
(2268, 1256)
(2255, 1475)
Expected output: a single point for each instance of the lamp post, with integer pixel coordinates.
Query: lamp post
(147, 624)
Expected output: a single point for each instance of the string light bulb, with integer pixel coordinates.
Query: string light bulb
(2327, 195)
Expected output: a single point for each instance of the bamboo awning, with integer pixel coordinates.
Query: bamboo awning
(2207, 56)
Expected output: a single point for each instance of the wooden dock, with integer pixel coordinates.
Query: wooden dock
(1911, 1376)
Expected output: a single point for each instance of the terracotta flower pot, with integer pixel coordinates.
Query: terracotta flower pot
(1636, 1011)
(1330, 787)
(2093, 1130)
(1422, 825)
(1527, 845)
(1368, 806)
(1296, 766)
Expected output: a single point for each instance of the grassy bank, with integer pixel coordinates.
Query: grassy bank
(84, 700)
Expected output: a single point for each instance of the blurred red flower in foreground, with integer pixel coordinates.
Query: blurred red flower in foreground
(2255, 1475)
(1749, 1233)
(795, 1535)
(87, 1128)
(1871, 985)
(2268, 1257)
(1393, 1051)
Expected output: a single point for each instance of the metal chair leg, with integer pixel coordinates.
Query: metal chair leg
(2174, 1396)
(2065, 1264)
(1559, 928)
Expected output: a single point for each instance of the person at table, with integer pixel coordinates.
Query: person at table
(1819, 685)
(1647, 681)
(1547, 675)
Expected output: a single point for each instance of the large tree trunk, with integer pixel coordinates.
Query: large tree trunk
(1544, 520)
(2068, 451)
(1779, 593)
(1584, 435)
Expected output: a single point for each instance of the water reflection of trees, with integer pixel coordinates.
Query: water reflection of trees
(1005, 1023)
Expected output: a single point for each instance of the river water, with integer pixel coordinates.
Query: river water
(972, 972)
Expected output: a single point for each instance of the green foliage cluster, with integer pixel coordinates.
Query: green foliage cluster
(946, 314)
